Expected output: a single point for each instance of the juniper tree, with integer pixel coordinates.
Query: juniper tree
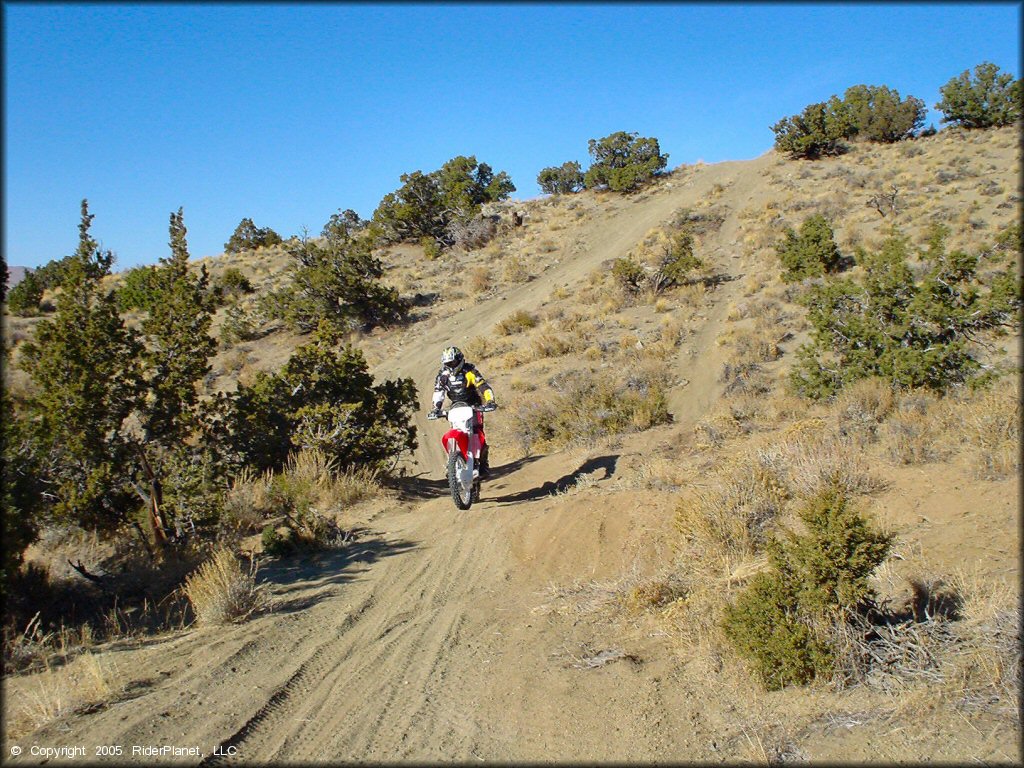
(85, 365)
(176, 359)
(22, 491)
(810, 253)
(876, 113)
(324, 398)
(24, 298)
(247, 236)
(428, 204)
(343, 225)
(986, 99)
(178, 341)
(915, 333)
(561, 180)
(623, 162)
(818, 130)
(337, 281)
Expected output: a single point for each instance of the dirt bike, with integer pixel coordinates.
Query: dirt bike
(463, 443)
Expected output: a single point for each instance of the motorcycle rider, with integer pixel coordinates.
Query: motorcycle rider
(462, 382)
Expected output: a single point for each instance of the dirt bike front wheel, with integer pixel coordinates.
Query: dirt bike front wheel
(463, 497)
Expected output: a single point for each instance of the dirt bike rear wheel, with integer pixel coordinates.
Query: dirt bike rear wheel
(462, 499)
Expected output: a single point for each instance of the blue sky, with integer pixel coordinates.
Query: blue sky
(286, 113)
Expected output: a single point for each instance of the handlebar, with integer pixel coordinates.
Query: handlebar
(486, 408)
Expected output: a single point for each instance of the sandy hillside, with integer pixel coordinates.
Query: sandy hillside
(498, 634)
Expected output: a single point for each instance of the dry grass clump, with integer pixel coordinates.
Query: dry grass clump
(84, 682)
(751, 349)
(862, 407)
(989, 424)
(550, 344)
(246, 503)
(751, 411)
(221, 591)
(671, 333)
(312, 477)
(711, 432)
(914, 432)
(803, 464)
(725, 522)
(584, 405)
(520, 320)
(479, 280)
(515, 270)
(986, 670)
(630, 591)
(652, 594)
(308, 491)
(656, 473)
(729, 519)
(955, 644)
(750, 490)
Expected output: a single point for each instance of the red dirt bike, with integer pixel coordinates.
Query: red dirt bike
(463, 444)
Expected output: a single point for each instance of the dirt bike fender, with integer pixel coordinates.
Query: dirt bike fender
(461, 439)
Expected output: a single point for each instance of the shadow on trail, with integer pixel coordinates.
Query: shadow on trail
(607, 463)
(303, 571)
(420, 487)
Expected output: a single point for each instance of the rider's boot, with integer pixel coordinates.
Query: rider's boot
(485, 469)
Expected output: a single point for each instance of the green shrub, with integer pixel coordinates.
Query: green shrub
(764, 627)
(21, 489)
(561, 180)
(337, 282)
(630, 275)
(233, 282)
(832, 562)
(676, 262)
(877, 114)
(429, 204)
(275, 543)
(239, 325)
(985, 100)
(667, 263)
(818, 130)
(870, 112)
(24, 298)
(913, 333)
(623, 162)
(247, 237)
(431, 249)
(139, 288)
(343, 225)
(324, 397)
(784, 620)
(811, 253)
(1011, 239)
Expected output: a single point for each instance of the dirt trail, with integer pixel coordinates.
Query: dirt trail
(612, 235)
(424, 640)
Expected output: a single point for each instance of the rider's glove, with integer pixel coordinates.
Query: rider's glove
(488, 407)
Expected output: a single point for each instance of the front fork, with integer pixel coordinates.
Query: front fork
(472, 458)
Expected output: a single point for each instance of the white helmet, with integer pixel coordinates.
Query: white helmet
(453, 359)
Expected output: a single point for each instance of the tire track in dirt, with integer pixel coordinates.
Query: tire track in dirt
(318, 663)
(383, 682)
